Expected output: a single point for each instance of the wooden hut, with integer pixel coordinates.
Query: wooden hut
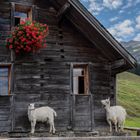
(76, 70)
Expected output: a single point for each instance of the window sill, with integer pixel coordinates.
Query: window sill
(81, 94)
(7, 95)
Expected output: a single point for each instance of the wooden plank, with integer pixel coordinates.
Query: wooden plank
(4, 21)
(82, 112)
(73, 111)
(34, 13)
(4, 27)
(118, 63)
(12, 14)
(62, 11)
(92, 112)
(133, 129)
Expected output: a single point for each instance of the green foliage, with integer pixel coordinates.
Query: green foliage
(128, 87)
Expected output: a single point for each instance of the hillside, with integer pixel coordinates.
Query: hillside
(128, 88)
(133, 47)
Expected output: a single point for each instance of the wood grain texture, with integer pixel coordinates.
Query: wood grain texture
(45, 78)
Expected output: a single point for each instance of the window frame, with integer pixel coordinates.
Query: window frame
(86, 77)
(19, 7)
(9, 66)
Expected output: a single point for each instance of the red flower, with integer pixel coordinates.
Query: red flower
(28, 37)
(10, 46)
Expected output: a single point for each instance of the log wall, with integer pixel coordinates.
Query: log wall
(44, 78)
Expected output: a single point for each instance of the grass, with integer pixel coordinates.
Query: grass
(128, 92)
(133, 122)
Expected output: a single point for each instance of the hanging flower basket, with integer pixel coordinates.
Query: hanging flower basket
(28, 37)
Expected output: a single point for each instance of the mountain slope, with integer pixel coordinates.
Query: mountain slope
(128, 87)
(133, 47)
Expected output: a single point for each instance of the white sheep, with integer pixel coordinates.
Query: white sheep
(41, 114)
(114, 114)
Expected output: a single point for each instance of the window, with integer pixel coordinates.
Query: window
(22, 12)
(80, 79)
(19, 16)
(5, 77)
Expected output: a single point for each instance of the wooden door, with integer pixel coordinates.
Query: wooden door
(82, 112)
(81, 99)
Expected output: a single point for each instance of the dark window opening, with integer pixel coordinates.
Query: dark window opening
(80, 79)
(81, 85)
(17, 21)
(19, 16)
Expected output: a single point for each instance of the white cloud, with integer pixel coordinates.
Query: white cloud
(95, 6)
(114, 19)
(112, 4)
(138, 22)
(137, 1)
(137, 38)
(84, 0)
(130, 3)
(122, 30)
(121, 11)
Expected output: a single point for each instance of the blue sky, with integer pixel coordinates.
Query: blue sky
(120, 17)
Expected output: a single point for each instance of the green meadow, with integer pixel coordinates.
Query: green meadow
(128, 95)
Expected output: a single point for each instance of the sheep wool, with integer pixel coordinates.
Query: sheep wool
(115, 115)
(41, 114)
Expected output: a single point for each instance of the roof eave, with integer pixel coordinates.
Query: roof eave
(93, 22)
(105, 34)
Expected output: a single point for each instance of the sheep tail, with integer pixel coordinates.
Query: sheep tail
(54, 113)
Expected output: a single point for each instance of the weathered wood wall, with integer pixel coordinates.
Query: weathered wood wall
(5, 114)
(44, 78)
(5, 102)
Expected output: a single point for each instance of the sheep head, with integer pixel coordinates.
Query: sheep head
(31, 106)
(106, 102)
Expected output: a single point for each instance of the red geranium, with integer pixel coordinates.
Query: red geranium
(28, 37)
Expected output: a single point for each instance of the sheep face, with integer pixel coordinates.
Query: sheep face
(105, 102)
(31, 106)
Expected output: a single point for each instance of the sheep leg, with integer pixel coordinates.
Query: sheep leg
(122, 126)
(116, 129)
(119, 126)
(50, 127)
(33, 123)
(109, 122)
(53, 128)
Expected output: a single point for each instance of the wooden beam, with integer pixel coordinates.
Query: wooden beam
(104, 34)
(133, 129)
(121, 69)
(33, 12)
(12, 14)
(63, 10)
(118, 64)
(91, 33)
(12, 56)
